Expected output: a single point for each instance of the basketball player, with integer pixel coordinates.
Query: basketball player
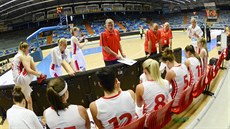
(193, 63)
(166, 36)
(61, 57)
(61, 115)
(152, 40)
(153, 93)
(116, 108)
(203, 53)
(194, 32)
(77, 55)
(177, 75)
(110, 42)
(24, 70)
(20, 117)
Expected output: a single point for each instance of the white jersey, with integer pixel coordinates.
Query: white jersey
(191, 31)
(155, 95)
(68, 118)
(22, 118)
(178, 83)
(78, 56)
(204, 61)
(116, 111)
(195, 67)
(20, 76)
(17, 66)
(56, 59)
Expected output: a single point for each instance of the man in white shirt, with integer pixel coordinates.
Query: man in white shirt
(194, 32)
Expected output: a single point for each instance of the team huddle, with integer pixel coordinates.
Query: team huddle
(117, 107)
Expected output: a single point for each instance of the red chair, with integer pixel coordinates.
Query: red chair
(199, 86)
(159, 118)
(137, 124)
(185, 100)
(208, 79)
(219, 62)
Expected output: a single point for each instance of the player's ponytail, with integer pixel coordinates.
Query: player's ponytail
(190, 48)
(55, 93)
(73, 29)
(204, 44)
(17, 94)
(168, 55)
(23, 45)
(152, 66)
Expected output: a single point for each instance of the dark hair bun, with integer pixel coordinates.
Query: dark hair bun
(17, 89)
(168, 51)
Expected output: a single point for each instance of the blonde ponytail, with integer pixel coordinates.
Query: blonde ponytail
(152, 66)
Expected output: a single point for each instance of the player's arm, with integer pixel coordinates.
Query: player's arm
(170, 75)
(189, 32)
(139, 94)
(26, 63)
(202, 54)
(93, 110)
(85, 116)
(187, 63)
(80, 45)
(67, 67)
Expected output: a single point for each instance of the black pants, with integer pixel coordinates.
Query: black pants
(108, 63)
(141, 35)
(153, 53)
(208, 37)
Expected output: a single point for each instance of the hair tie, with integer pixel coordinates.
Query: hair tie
(64, 90)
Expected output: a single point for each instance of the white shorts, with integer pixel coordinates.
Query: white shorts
(79, 61)
(24, 82)
(55, 71)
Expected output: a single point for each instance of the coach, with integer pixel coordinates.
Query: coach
(166, 36)
(152, 40)
(110, 42)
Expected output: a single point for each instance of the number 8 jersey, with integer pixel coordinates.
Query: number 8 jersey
(155, 95)
(116, 111)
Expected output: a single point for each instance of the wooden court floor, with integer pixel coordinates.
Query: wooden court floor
(133, 47)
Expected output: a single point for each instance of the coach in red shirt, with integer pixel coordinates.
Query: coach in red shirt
(110, 42)
(166, 36)
(152, 40)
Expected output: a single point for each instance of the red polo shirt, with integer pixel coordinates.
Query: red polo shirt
(111, 40)
(154, 37)
(165, 36)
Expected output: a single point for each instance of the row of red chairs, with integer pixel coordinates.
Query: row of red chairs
(158, 119)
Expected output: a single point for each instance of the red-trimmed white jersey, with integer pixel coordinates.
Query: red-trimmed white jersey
(155, 95)
(180, 82)
(17, 66)
(195, 67)
(74, 46)
(204, 61)
(116, 111)
(69, 118)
